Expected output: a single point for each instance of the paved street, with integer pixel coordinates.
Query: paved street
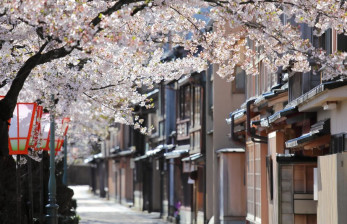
(95, 210)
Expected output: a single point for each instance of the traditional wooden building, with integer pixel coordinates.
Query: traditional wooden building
(119, 150)
(279, 158)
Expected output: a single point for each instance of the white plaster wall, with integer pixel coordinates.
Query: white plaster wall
(339, 118)
(200, 218)
(185, 215)
(138, 200)
(323, 114)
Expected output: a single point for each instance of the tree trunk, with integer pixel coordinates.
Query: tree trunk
(7, 189)
(3, 138)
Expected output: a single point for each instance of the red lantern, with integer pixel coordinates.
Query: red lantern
(21, 128)
(61, 131)
(62, 128)
(36, 128)
(44, 132)
(65, 127)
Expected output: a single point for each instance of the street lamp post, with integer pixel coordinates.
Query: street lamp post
(65, 162)
(52, 207)
(63, 139)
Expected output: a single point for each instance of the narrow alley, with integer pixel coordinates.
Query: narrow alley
(95, 210)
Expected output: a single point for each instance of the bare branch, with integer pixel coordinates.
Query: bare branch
(90, 97)
(3, 13)
(103, 87)
(117, 6)
(138, 9)
(189, 20)
(3, 83)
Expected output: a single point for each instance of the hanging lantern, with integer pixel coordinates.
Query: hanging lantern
(62, 130)
(21, 128)
(36, 128)
(43, 142)
(65, 127)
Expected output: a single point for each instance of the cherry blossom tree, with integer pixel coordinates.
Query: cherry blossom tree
(94, 56)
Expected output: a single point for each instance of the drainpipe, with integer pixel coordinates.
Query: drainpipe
(251, 131)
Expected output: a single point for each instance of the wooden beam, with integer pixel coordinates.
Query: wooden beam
(318, 142)
(280, 99)
(240, 120)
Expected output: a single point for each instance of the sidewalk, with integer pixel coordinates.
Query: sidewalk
(95, 210)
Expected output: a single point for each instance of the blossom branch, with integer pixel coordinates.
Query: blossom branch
(104, 105)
